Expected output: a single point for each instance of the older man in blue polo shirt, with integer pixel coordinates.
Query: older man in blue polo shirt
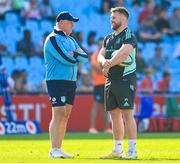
(62, 55)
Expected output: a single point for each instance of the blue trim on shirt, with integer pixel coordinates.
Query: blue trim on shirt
(58, 49)
(59, 32)
(76, 54)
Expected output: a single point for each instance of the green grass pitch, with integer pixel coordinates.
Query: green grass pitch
(87, 148)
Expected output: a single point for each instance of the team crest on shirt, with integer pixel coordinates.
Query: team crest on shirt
(118, 41)
(53, 100)
(63, 99)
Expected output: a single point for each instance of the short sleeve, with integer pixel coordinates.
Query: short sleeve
(104, 42)
(130, 39)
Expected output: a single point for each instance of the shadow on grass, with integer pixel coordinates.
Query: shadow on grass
(98, 160)
(85, 135)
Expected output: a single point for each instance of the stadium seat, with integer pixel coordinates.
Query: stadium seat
(21, 62)
(156, 77)
(37, 36)
(46, 25)
(167, 39)
(174, 65)
(176, 39)
(95, 3)
(82, 5)
(133, 18)
(32, 24)
(11, 45)
(140, 45)
(1, 28)
(35, 78)
(151, 45)
(175, 3)
(12, 16)
(175, 83)
(9, 64)
(148, 51)
(2, 34)
(90, 20)
(35, 61)
(59, 6)
(2, 24)
(9, 30)
(37, 65)
(167, 49)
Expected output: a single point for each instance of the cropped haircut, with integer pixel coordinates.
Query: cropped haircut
(121, 10)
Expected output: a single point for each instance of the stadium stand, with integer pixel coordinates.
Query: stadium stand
(91, 19)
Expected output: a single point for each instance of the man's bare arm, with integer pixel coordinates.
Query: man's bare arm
(121, 55)
(101, 58)
(105, 64)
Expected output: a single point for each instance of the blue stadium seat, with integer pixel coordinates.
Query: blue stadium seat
(94, 3)
(37, 36)
(133, 18)
(32, 24)
(148, 50)
(140, 45)
(37, 65)
(90, 20)
(35, 61)
(174, 66)
(12, 16)
(46, 25)
(1, 30)
(11, 45)
(21, 62)
(176, 39)
(175, 3)
(157, 76)
(59, 6)
(9, 64)
(9, 30)
(2, 34)
(175, 83)
(167, 49)
(151, 46)
(35, 77)
(88, 11)
(81, 5)
(167, 39)
(2, 25)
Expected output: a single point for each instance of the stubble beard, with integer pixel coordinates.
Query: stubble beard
(116, 26)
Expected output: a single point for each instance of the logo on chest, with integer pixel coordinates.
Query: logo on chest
(118, 41)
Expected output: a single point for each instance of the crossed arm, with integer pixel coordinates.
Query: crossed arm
(120, 56)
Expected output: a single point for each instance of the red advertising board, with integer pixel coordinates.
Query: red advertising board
(38, 108)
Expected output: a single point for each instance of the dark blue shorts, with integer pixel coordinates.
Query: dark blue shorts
(99, 93)
(61, 92)
(120, 93)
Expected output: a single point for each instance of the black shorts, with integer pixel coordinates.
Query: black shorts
(61, 92)
(120, 93)
(99, 93)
